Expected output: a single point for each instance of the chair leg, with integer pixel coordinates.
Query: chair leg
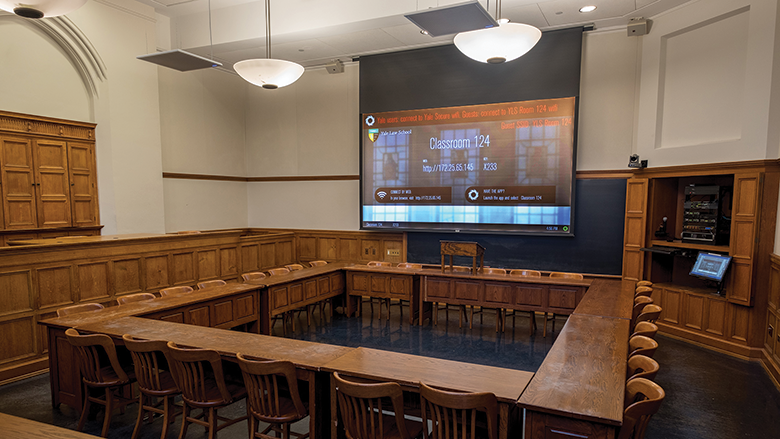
(168, 416)
(85, 409)
(141, 412)
(544, 332)
(212, 423)
(532, 322)
(109, 409)
(435, 316)
(471, 317)
(185, 421)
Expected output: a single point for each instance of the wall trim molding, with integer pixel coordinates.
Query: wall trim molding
(186, 176)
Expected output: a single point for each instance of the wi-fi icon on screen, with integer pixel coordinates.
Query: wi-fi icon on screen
(381, 194)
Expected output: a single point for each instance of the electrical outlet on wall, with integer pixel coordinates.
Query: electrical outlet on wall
(393, 252)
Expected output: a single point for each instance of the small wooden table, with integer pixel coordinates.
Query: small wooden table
(608, 298)
(409, 370)
(463, 248)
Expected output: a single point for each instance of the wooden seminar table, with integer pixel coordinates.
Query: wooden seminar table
(522, 293)
(613, 299)
(308, 357)
(21, 428)
(385, 283)
(578, 390)
(410, 370)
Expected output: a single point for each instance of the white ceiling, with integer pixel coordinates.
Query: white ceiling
(316, 32)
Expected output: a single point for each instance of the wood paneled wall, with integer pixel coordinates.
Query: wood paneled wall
(37, 280)
(771, 331)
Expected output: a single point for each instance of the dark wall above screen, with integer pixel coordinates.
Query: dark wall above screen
(443, 77)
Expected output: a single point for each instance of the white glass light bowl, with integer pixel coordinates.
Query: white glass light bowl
(41, 8)
(269, 73)
(502, 43)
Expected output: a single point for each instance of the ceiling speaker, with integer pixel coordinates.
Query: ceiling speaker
(335, 67)
(180, 60)
(453, 19)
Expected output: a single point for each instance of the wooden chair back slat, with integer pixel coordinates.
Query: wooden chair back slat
(642, 366)
(643, 291)
(641, 345)
(576, 276)
(649, 314)
(75, 309)
(255, 275)
(278, 271)
(488, 270)
(130, 298)
(362, 407)
(211, 283)
(410, 265)
(175, 291)
(294, 267)
(453, 415)
(645, 328)
(318, 263)
(525, 273)
(151, 369)
(379, 264)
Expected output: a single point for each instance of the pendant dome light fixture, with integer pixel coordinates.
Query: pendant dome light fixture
(268, 73)
(41, 8)
(499, 44)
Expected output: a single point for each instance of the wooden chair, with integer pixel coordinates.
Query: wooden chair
(294, 267)
(644, 283)
(410, 265)
(75, 309)
(138, 297)
(363, 407)
(649, 314)
(278, 271)
(500, 316)
(100, 370)
(175, 291)
(643, 291)
(318, 263)
(381, 301)
(558, 275)
(641, 345)
(643, 398)
(646, 328)
(211, 283)
(198, 374)
(531, 314)
(453, 415)
(641, 366)
(155, 382)
(379, 264)
(272, 397)
(639, 305)
(253, 276)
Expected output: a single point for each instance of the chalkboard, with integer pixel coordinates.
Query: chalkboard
(596, 248)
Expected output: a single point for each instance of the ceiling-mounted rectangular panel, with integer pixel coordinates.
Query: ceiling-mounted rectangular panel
(452, 19)
(180, 60)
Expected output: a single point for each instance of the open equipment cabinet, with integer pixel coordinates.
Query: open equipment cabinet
(746, 194)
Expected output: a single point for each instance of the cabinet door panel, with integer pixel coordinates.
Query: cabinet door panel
(18, 180)
(52, 182)
(83, 187)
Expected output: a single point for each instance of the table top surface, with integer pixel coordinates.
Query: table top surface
(406, 369)
(608, 298)
(584, 374)
(507, 278)
(304, 354)
(305, 273)
(21, 428)
(150, 306)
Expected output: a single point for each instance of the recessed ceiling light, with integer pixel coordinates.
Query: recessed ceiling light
(424, 32)
(590, 8)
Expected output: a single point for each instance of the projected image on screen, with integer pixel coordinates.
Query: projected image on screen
(504, 167)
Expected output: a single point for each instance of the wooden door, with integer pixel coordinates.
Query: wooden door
(83, 184)
(52, 183)
(18, 180)
(634, 233)
(744, 220)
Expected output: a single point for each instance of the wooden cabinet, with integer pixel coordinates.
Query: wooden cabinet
(47, 172)
(691, 309)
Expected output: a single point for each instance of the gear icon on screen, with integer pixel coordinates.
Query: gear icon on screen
(370, 120)
(473, 195)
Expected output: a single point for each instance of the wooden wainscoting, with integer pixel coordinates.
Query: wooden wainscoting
(771, 331)
(37, 280)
